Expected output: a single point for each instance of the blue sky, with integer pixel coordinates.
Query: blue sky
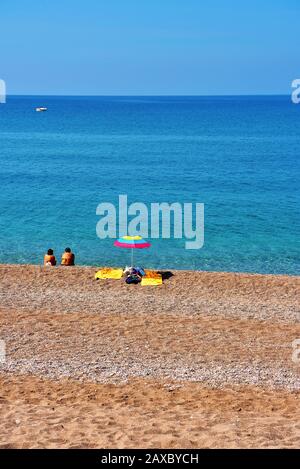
(149, 47)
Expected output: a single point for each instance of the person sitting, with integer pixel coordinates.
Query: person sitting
(49, 258)
(68, 258)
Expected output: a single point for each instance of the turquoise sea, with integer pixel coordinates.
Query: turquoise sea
(240, 156)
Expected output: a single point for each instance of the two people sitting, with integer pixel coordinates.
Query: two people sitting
(67, 258)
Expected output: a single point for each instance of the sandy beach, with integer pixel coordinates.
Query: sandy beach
(205, 360)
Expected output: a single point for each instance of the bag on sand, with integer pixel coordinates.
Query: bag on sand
(133, 278)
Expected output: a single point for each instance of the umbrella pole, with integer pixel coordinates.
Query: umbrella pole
(131, 257)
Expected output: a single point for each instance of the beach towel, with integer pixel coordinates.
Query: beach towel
(151, 281)
(152, 274)
(151, 278)
(109, 272)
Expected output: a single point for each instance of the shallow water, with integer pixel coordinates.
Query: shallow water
(237, 155)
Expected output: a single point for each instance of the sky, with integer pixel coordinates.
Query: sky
(149, 47)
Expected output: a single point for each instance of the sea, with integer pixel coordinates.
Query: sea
(237, 155)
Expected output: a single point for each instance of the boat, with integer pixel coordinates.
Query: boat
(41, 109)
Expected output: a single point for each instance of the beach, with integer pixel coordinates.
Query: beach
(149, 231)
(204, 360)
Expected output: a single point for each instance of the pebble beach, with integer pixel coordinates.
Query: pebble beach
(204, 360)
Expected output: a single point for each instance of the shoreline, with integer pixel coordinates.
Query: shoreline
(100, 266)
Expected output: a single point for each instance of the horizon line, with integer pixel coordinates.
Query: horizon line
(148, 95)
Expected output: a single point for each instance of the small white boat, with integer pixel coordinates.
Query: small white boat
(41, 109)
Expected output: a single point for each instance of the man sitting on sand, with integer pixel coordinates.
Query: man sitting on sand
(49, 258)
(68, 258)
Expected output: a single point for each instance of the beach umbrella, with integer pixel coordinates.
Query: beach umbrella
(132, 242)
